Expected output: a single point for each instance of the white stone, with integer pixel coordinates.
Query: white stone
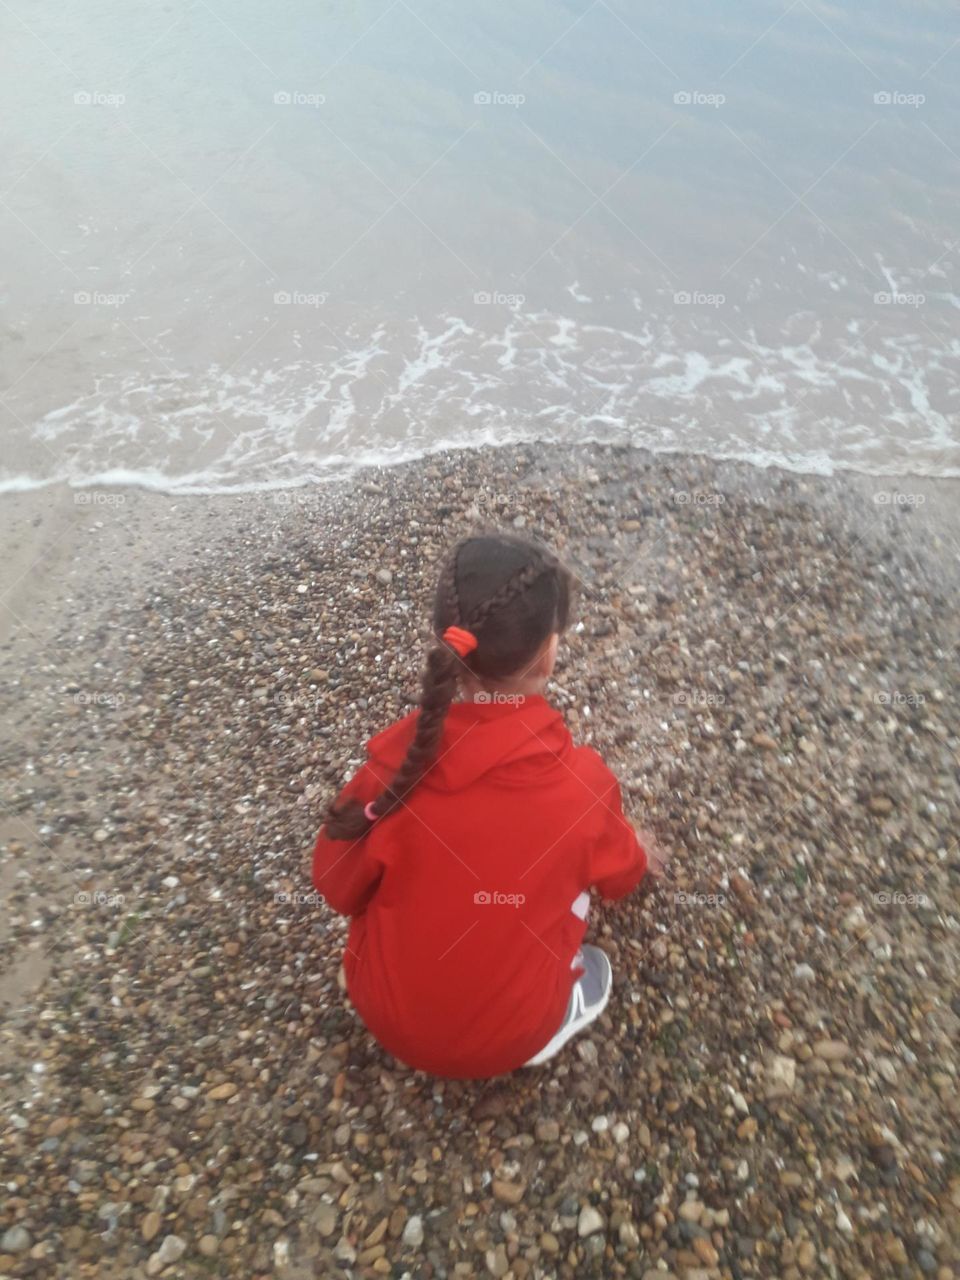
(629, 1235)
(171, 1250)
(413, 1231)
(589, 1222)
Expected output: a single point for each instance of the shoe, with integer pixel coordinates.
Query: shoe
(588, 999)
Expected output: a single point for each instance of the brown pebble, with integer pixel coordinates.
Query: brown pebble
(508, 1192)
(705, 1251)
(220, 1092)
(151, 1225)
(831, 1050)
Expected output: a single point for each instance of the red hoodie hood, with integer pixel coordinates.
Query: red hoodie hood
(480, 738)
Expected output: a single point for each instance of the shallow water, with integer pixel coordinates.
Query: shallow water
(250, 246)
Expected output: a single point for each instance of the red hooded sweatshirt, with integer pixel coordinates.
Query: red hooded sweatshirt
(462, 938)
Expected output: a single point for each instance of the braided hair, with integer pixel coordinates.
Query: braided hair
(512, 594)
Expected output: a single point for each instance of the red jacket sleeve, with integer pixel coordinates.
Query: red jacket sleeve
(618, 862)
(344, 871)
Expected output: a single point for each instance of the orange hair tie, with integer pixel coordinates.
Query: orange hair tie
(460, 641)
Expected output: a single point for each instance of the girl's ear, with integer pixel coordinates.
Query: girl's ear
(548, 657)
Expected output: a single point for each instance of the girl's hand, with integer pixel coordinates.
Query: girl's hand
(657, 859)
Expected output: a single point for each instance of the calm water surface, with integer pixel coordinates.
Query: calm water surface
(250, 245)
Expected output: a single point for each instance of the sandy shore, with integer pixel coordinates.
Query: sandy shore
(769, 663)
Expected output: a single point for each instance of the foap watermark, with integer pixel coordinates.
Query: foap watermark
(295, 498)
(684, 899)
(86, 699)
(309, 701)
(298, 899)
(894, 698)
(94, 498)
(890, 898)
(882, 299)
(97, 98)
(496, 502)
(493, 298)
(695, 98)
(697, 498)
(698, 698)
(686, 298)
(296, 98)
(494, 898)
(893, 498)
(98, 898)
(495, 98)
(85, 299)
(284, 298)
(896, 98)
(495, 697)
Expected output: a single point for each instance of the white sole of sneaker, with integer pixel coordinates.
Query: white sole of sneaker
(572, 1028)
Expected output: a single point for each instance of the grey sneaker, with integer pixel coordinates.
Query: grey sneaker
(588, 999)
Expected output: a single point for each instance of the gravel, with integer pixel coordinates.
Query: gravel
(769, 664)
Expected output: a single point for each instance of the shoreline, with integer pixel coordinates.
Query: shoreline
(767, 660)
(60, 509)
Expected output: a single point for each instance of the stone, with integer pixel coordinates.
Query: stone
(629, 1235)
(691, 1210)
(589, 1221)
(831, 1050)
(781, 1075)
(547, 1131)
(325, 1218)
(705, 1251)
(806, 1255)
(377, 1234)
(496, 1260)
(413, 1232)
(172, 1249)
(150, 1225)
(220, 1092)
(15, 1240)
(345, 1252)
(880, 805)
(208, 1246)
(587, 1052)
(508, 1192)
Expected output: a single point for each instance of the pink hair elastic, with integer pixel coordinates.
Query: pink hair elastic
(368, 812)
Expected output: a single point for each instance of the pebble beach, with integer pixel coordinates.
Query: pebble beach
(769, 664)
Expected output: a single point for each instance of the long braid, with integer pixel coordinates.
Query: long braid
(521, 581)
(438, 689)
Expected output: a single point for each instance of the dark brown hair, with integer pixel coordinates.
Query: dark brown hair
(512, 594)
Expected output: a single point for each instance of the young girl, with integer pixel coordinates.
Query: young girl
(465, 847)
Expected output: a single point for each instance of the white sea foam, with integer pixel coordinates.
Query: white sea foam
(382, 397)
